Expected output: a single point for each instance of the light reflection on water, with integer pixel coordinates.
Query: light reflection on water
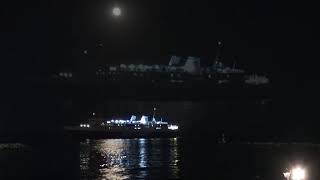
(142, 153)
(129, 158)
(158, 159)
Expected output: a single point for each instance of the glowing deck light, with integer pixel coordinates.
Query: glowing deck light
(108, 122)
(144, 119)
(298, 174)
(173, 127)
(81, 125)
(133, 118)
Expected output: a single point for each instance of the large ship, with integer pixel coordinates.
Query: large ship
(124, 128)
(183, 71)
(181, 78)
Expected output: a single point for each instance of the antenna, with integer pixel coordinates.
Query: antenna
(218, 53)
(154, 113)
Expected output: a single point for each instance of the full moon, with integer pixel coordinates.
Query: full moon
(116, 11)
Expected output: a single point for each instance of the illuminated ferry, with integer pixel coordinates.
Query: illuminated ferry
(122, 128)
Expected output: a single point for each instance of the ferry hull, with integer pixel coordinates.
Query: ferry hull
(97, 133)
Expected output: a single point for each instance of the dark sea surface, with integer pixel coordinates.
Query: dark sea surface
(159, 158)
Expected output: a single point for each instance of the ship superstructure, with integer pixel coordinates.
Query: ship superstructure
(132, 123)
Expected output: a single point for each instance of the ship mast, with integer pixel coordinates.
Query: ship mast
(218, 53)
(154, 113)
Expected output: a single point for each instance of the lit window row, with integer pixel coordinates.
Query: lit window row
(173, 127)
(85, 125)
(65, 74)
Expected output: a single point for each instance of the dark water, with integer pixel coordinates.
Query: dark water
(172, 158)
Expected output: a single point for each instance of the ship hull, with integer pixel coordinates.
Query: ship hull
(104, 133)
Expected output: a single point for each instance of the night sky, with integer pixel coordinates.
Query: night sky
(255, 33)
(279, 38)
(149, 32)
(41, 37)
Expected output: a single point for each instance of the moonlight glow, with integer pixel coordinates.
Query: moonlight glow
(116, 11)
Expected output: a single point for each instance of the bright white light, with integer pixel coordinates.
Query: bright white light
(144, 119)
(116, 11)
(81, 125)
(173, 127)
(133, 118)
(286, 175)
(298, 173)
